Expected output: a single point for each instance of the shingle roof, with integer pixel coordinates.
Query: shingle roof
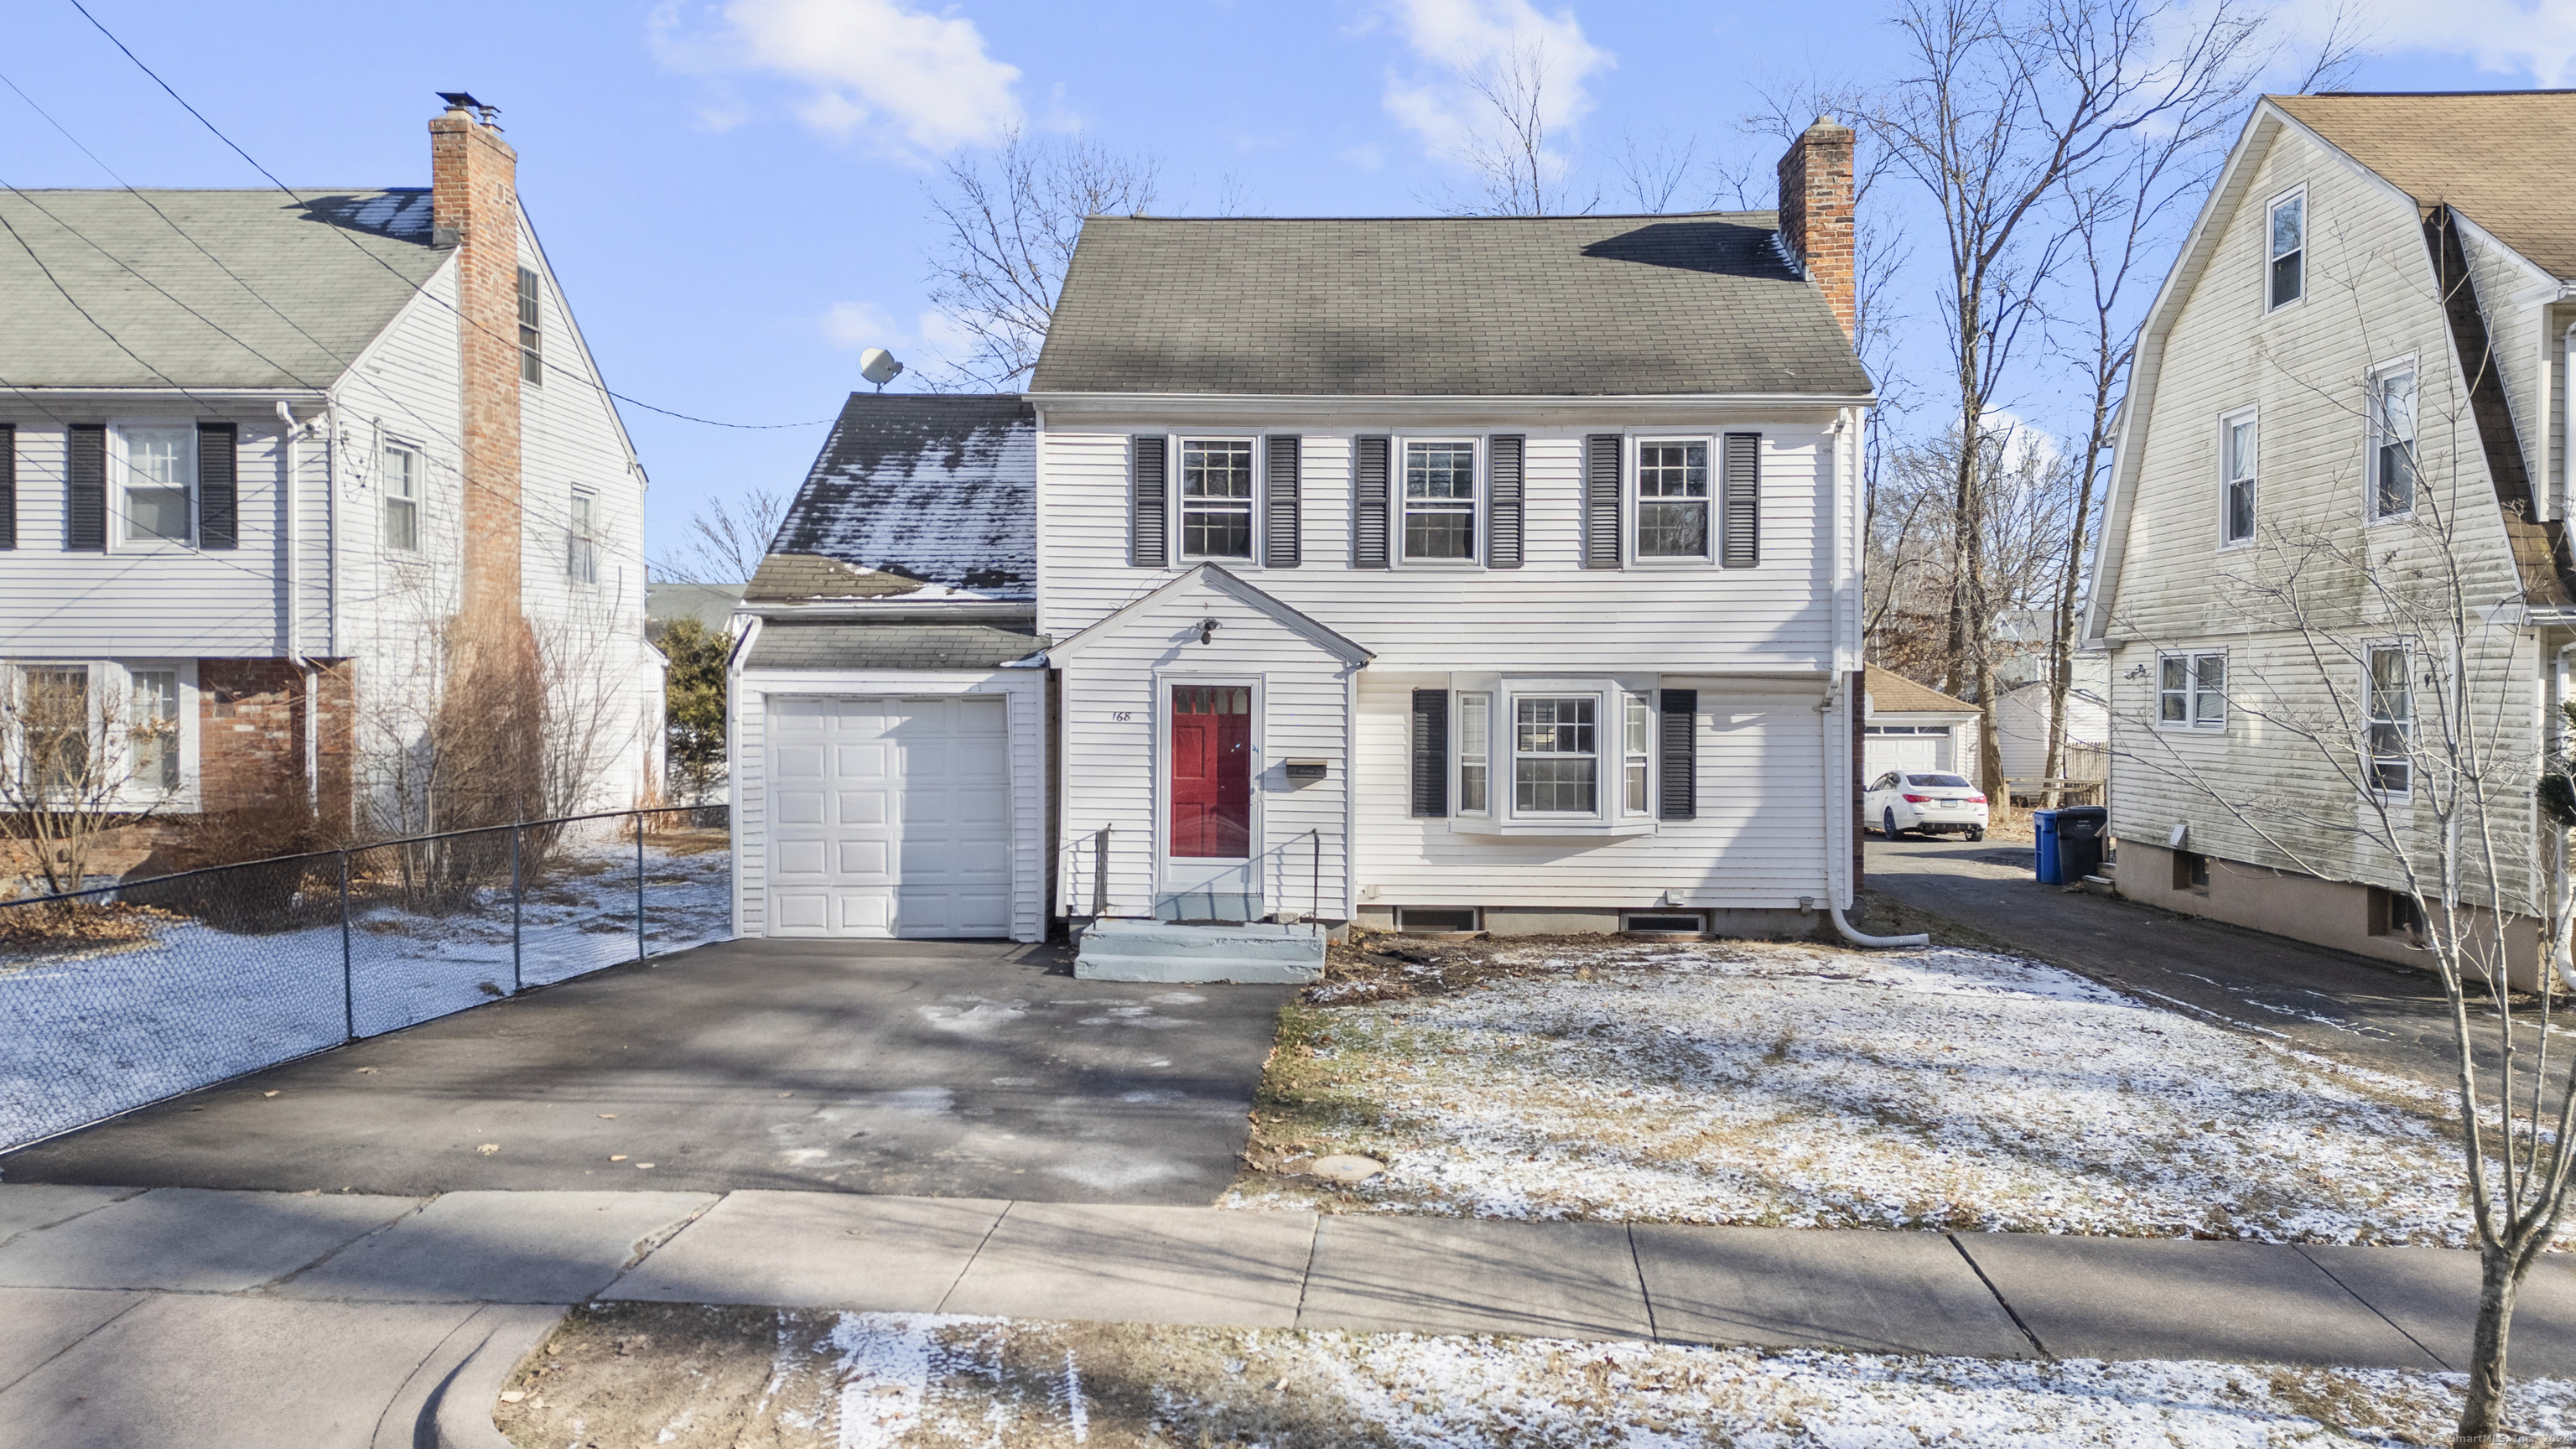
(2503, 158)
(931, 488)
(1457, 306)
(1893, 693)
(299, 302)
(889, 646)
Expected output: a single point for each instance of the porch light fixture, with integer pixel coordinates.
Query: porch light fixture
(1207, 631)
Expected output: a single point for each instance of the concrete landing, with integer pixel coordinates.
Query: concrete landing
(1122, 950)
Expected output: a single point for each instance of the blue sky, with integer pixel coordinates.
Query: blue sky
(732, 192)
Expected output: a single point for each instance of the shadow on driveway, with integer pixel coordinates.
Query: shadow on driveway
(945, 1069)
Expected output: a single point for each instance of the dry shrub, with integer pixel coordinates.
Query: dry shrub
(77, 923)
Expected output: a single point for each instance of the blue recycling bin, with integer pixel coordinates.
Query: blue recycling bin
(2044, 824)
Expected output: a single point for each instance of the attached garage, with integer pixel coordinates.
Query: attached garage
(890, 816)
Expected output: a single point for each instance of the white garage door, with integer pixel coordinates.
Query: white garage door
(889, 817)
(1882, 753)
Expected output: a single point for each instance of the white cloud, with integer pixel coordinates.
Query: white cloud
(853, 325)
(2535, 42)
(1451, 40)
(906, 82)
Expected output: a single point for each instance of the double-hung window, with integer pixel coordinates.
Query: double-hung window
(2191, 691)
(1439, 502)
(402, 497)
(2236, 496)
(1556, 753)
(158, 470)
(2392, 442)
(1640, 741)
(2287, 279)
(152, 730)
(581, 540)
(1475, 751)
(532, 341)
(54, 731)
(1672, 500)
(2392, 720)
(1216, 499)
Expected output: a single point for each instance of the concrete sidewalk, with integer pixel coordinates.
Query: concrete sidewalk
(182, 1315)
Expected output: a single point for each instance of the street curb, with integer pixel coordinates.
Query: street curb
(458, 1414)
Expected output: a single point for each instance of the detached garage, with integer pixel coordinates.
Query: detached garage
(1915, 727)
(888, 694)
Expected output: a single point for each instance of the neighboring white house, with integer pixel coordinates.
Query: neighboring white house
(2360, 355)
(1913, 726)
(1424, 572)
(258, 448)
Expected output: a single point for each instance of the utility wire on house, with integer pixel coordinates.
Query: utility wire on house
(416, 287)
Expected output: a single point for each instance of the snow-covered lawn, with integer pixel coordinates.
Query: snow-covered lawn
(92, 1030)
(695, 1378)
(1800, 1086)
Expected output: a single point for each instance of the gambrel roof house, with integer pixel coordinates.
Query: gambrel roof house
(258, 449)
(2361, 354)
(1426, 572)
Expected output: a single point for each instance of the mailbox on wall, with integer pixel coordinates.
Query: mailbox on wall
(1305, 772)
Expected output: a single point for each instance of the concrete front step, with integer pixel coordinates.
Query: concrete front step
(1125, 950)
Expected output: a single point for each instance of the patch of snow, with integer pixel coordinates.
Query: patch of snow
(1802, 1087)
(984, 1016)
(97, 1031)
(884, 1370)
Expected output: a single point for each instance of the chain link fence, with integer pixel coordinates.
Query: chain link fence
(121, 995)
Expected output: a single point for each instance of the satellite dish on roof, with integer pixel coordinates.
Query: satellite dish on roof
(878, 366)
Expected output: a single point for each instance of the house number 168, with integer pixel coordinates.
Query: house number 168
(1123, 715)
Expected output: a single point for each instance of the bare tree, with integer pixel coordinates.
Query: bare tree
(1653, 172)
(1506, 146)
(2121, 222)
(2009, 102)
(726, 539)
(1008, 219)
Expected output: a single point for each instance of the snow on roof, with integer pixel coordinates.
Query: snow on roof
(914, 490)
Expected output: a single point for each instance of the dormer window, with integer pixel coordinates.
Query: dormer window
(2289, 232)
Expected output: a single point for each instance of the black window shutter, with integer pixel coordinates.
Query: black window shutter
(1601, 453)
(1368, 525)
(1742, 513)
(218, 496)
(8, 485)
(1503, 501)
(1431, 752)
(1148, 515)
(1680, 714)
(85, 491)
(1281, 545)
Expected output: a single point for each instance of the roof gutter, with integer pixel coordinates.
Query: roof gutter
(1360, 407)
(915, 612)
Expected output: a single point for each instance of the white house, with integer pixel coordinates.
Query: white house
(259, 449)
(1493, 572)
(2351, 392)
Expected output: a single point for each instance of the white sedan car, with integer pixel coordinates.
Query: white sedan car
(1933, 804)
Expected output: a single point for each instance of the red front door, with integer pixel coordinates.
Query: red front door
(1211, 771)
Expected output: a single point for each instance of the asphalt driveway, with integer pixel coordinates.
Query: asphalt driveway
(2373, 1013)
(913, 1067)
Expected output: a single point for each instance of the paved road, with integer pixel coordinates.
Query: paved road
(216, 1319)
(2368, 1012)
(941, 1069)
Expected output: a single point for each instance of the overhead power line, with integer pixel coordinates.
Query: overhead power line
(218, 133)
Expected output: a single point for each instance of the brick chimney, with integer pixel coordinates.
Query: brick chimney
(1816, 212)
(474, 207)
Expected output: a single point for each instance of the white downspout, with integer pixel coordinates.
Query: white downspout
(312, 673)
(1830, 718)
